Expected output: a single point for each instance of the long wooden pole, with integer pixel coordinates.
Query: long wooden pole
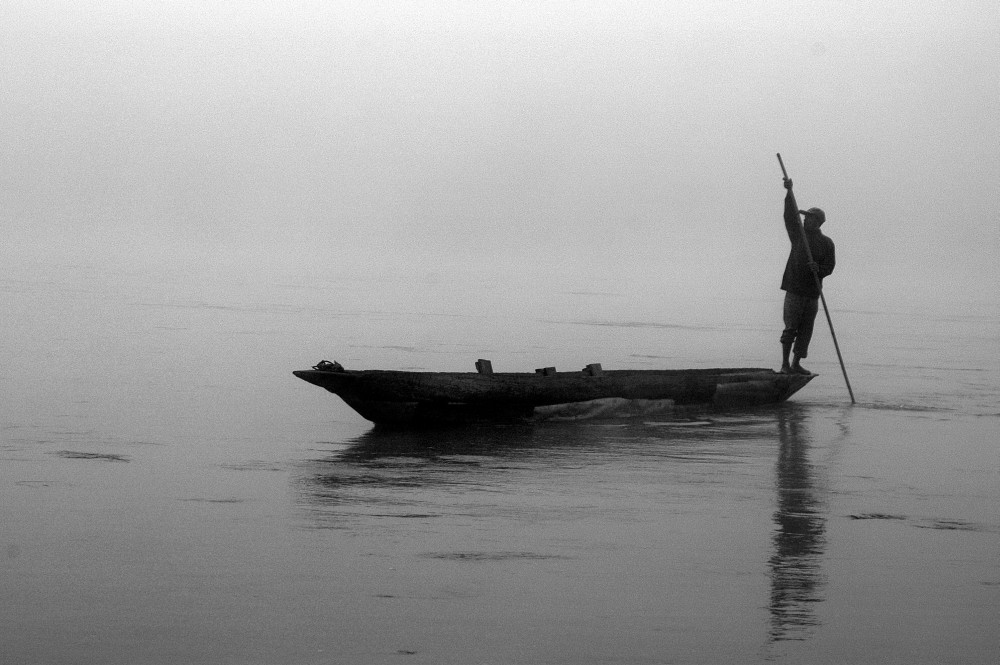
(819, 286)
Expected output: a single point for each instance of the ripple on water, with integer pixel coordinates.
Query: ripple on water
(493, 556)
(107, 457)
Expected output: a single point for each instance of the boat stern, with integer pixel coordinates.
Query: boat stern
(766, 388)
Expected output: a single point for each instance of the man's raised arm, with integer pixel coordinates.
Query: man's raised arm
(792, 222)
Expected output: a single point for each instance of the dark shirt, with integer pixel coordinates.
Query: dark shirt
(798, 278)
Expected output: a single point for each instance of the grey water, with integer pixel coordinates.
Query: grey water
(172, 494)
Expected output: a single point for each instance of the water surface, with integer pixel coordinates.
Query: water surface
(171, 494)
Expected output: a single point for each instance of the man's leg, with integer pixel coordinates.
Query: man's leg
(786, 351)
(790, 315)
(808, 308)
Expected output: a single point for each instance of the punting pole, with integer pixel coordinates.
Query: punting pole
(819, 285)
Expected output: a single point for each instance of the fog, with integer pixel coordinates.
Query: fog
(200, 196)
(619, 146)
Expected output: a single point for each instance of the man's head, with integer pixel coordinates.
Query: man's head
(813, 218)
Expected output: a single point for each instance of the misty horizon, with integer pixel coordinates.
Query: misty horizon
(576, 146)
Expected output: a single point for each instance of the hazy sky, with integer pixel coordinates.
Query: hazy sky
(595, 143)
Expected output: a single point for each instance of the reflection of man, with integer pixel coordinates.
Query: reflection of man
(802, 280)
(800, 537)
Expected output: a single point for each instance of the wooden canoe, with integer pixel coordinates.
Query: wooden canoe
(426, 398)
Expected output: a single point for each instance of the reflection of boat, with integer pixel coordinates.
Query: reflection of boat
(398, 397)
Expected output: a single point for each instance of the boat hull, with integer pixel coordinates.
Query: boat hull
(427, 398)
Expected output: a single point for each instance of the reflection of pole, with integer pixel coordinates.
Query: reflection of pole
(798, 540)
(819, 285)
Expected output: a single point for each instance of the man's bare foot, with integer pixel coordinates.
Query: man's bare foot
(785, 369)
(799, 369)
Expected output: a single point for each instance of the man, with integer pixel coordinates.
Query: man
(802, 281)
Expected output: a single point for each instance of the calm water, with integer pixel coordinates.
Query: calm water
(171, 494)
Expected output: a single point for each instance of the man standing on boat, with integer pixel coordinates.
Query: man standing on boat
(802, 280)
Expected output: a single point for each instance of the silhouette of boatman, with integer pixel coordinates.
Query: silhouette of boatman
(802, 281)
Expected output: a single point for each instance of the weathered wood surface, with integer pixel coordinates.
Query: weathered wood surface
(396, 396)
